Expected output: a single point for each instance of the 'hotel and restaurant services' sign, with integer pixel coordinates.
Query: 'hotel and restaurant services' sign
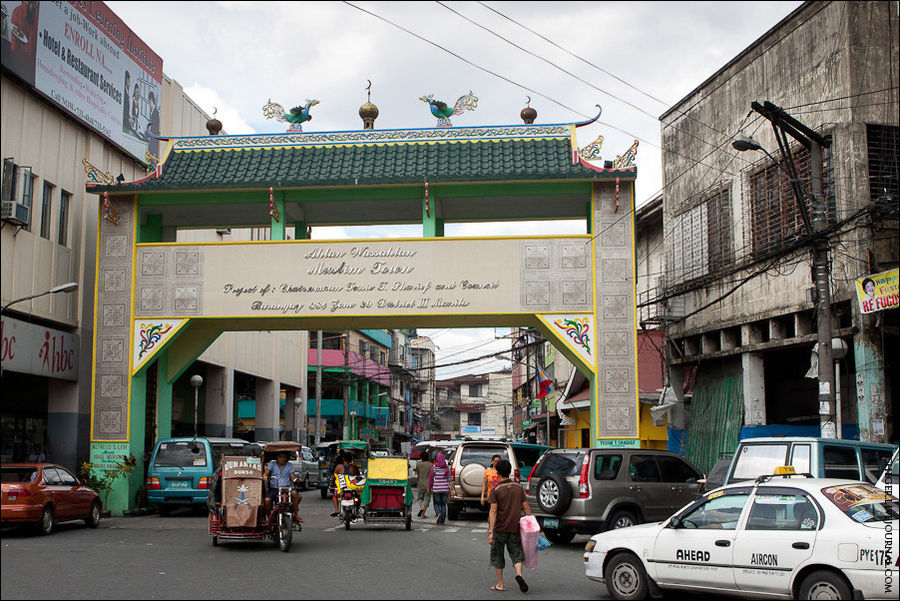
(86, 60)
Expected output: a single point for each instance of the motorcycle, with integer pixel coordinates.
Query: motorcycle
(349, 491)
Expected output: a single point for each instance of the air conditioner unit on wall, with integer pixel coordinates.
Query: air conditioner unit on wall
(14, 212)
(16, 193)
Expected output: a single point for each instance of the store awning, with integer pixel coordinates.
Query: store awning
(579, 400)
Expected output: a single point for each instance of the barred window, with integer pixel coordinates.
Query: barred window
(702, 237)
(884, 181)
(775, 217)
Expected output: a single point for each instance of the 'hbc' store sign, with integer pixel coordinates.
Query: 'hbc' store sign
(33, 349)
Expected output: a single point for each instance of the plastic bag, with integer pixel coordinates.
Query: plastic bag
(529, 532)
(543, 543)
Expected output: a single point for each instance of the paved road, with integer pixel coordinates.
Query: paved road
(172, 558)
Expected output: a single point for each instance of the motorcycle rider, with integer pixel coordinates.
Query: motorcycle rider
(280, 472)
(342, 467)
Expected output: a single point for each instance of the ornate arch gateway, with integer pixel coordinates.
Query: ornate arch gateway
(162, 301)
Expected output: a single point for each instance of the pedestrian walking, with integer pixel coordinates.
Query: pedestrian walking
(490, 480)
(507, 505)
(439, 485)
(423, 471)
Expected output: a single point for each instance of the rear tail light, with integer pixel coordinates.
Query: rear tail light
(516, 475)
(153, 484)
(583, 492)
(18, 493)
(531, 473)
(204, 483)
(453, 474)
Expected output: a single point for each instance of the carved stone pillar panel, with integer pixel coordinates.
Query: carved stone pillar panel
(169, 281)
(556, 274)
(617, 415)
(113, 322)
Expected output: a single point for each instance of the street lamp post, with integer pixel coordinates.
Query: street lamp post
(68, 287)
(196, 382)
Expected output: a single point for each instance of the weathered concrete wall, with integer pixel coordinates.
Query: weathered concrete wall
(827, 51)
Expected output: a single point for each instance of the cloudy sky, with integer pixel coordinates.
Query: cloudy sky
(234, 56)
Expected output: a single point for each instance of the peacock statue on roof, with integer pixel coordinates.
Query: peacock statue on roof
(466, 102)
(296, 117)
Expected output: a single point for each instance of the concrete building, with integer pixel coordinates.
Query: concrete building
(49, 237)
(57, 243)
(423, 349)
(480, 405)
(738, 297)
(357, 360)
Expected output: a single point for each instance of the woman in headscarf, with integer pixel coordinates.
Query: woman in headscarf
(439, 485)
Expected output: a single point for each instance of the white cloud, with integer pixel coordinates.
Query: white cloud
(210, 100)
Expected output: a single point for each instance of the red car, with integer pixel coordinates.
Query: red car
(44, 494)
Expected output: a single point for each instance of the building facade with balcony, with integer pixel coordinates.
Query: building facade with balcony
(355, 364)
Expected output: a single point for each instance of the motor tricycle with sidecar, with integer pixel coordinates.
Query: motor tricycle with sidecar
(236, 501)
(382, 497)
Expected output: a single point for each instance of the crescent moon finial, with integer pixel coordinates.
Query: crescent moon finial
(528, 102)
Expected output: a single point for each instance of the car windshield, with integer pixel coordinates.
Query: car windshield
(180, 454)
(755, 460)
(481, 455)
(565, 464)
(19, 474)
(234, 449)
(528, 456)
(863, 502)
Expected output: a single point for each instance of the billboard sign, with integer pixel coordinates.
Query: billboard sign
(86, 60)
(878, 291)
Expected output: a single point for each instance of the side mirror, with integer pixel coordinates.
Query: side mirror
(674, 523)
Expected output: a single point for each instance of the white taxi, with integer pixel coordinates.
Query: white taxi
(781, 537)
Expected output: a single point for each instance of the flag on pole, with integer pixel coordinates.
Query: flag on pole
(544, 382)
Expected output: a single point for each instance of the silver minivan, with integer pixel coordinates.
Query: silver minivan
(821, 457)
(306, 466)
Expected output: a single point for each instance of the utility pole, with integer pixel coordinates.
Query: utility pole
(346, 429)
(784, 125)
(318, 435)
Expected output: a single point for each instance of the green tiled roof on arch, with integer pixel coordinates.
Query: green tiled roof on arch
(371, 157)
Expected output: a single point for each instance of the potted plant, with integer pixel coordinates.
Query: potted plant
(102, 480)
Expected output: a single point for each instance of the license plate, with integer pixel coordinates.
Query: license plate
(179, 484)
(346, 503)
(551, 523)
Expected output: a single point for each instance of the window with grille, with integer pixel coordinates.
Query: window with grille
(702, 239)
(46, 210)
(884, 181)
(64, 200)
(776, 219)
